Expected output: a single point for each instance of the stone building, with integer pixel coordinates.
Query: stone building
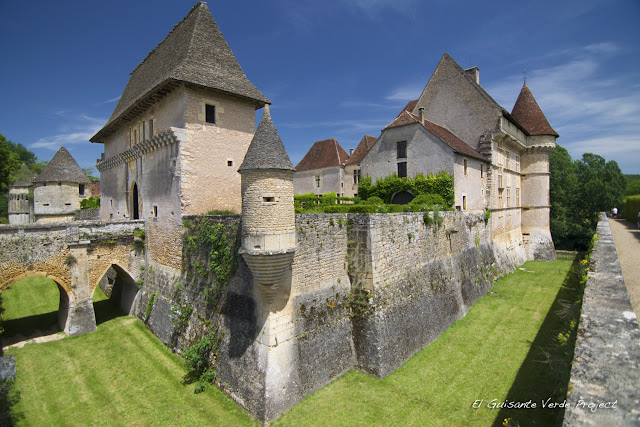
(322, 169)
(412, 145)
(20, 206)
(174, 141)
(516, 144)
(352, 167)
(59, 188)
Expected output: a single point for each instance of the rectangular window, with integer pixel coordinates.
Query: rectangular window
(466, 167)
(210, 113)
(317, 178)
(150, 128)
(500, 183)
(402, 169)
(269, 199)
(401, 150)
(508, 197)
(517, 163)
(135, 137)
(81, 189)
(155, 211)
(356, 176)
(144, 131)
(517, 197)
(481, 170)
(229, 162)
(464, 202)
(507, 161)
(500, 201)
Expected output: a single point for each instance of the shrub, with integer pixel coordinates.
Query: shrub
(92, 202)
(631, 208)
(441, 185)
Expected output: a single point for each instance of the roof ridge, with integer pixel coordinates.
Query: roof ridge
(169, 34)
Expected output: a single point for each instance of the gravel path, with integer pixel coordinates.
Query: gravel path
(626, 237)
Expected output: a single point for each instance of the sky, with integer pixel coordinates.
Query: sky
(333, 69)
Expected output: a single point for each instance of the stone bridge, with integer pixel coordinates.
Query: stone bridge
(77, 256)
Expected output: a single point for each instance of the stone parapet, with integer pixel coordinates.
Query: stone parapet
(605, 371)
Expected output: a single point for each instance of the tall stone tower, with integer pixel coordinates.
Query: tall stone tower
(268, 217)
(535, 176)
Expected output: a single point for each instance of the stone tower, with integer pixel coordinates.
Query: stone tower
(535, 176)
(20, 209)
(268, 217)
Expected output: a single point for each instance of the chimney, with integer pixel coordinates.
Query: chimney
(421, 109)
(474, 73)
(350, 152)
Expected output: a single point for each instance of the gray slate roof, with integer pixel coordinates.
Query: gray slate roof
(194, 52)
(63, 168)
(266, 150)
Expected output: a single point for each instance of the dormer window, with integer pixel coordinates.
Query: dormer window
(210, 113)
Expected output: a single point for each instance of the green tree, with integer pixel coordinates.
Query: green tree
(9, 162)
(578, 191)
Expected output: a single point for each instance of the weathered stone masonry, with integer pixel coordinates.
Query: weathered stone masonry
(416, 280)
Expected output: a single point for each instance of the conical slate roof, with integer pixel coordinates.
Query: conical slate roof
(194, 52)
(527, 112)
(266, 150)
(63, 168)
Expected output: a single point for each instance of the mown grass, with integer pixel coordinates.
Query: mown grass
(119, 375)
(30, 305)
(506, 348)
(479, 357)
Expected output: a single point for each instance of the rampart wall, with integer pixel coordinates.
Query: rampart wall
(365, 291)
(604, 381)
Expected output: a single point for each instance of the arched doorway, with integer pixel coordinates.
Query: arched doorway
(120, 289)
(402, 198)
(135, 202)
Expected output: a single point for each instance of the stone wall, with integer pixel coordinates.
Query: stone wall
(365, 291)
(603, 389)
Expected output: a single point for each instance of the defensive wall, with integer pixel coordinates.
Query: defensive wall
(605, 372)
(364, 291)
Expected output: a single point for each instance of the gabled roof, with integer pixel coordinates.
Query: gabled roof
(361, 150)
(527, 112)
(194, 52)
(266, 150)
(323, 154)
(62, 168)
(443, 134)
(411, 105)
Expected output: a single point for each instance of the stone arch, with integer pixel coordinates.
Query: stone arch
(119, 286)
(67, 296)
(402, 197)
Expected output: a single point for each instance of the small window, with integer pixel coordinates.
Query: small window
(150, 128)
(466, 168)
(229, 163)
(155, 211)
(401, 150)
(317, 178)
(402, 169)
(356, 176)
(144, 131)
(67, 204)
(268, 199)
(210, 113)
(45, 204)
(464, 203)
(481, 170)
(135, 137)
(81, 189)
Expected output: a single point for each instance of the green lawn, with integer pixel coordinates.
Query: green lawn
(506, 348)
(500, 350)
(29, 305)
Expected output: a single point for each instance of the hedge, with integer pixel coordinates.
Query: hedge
(631, 208)
(385, 188)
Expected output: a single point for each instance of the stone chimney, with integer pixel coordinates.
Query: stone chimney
(350, 152)
(474, 73)
(421, 109)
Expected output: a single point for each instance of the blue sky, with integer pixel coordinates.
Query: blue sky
(338, 68)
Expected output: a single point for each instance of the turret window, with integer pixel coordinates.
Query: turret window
(210, 113)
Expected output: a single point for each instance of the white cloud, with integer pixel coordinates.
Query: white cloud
(77, 129)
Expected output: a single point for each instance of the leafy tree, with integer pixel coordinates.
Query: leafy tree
(578, 191)
(9, 162)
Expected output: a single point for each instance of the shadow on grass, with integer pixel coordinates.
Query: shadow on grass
(26, 328)
(544, 374)
(106, 310)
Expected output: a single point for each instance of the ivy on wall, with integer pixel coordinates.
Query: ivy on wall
(209, 257)
(440, 184)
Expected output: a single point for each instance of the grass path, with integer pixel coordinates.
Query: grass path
(122, 375)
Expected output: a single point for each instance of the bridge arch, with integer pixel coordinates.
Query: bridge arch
(67, 296)
(118, 285)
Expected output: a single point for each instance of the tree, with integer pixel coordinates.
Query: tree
(578, 191)
(9, 162)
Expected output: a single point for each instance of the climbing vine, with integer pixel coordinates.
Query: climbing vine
(209, 260)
